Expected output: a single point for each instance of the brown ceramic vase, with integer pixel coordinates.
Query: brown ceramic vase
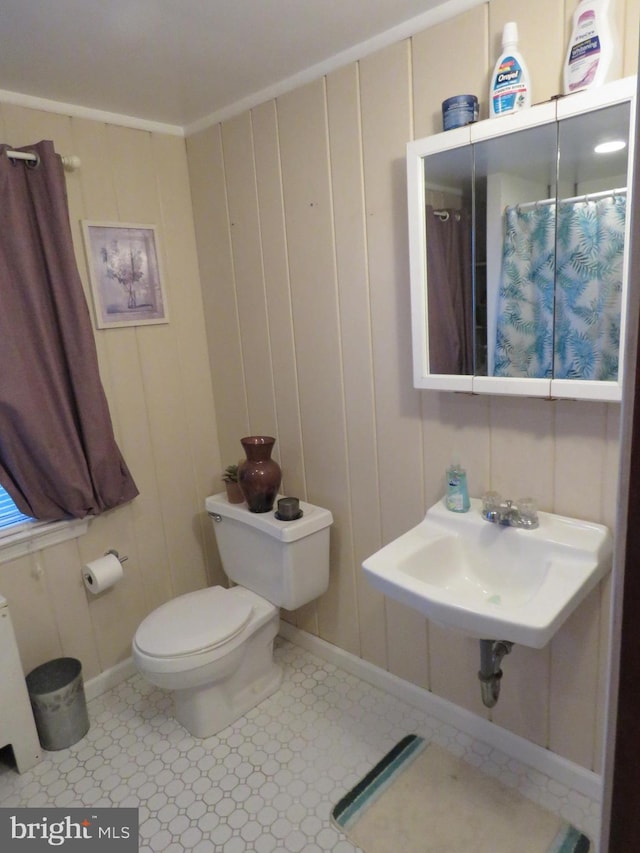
(259, 475)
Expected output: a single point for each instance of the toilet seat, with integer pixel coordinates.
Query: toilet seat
(193, 623)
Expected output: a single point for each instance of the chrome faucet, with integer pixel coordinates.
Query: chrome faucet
(524, 514)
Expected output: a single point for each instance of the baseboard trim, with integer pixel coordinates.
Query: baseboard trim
(543, 760)
(111, 677)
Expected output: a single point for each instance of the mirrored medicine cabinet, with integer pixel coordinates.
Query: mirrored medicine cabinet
(518, 237)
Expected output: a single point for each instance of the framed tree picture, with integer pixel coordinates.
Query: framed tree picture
(125, 274)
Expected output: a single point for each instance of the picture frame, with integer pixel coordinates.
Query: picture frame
(125, 272)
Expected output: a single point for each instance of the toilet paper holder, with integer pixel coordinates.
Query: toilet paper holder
(101, 574)
(116, 555)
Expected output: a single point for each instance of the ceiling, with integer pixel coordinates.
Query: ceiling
(180, 62)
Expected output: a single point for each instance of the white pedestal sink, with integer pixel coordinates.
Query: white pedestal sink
(491, 581)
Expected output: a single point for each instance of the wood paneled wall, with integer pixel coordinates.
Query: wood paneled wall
(301, 224)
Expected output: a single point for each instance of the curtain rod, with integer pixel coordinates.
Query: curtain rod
(575, 200)
(70, 163)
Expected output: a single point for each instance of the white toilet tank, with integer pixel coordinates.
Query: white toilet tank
(286, 562)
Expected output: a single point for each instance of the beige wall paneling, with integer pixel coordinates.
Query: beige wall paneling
(385, 130)
(456, 428)
(68, 600)
(629, 36)
(609, 486)
(541, 40)
(124, 151)
(187, 318)
(437, 75)
(120, 371)
(522, 463)
(609, 498)
(581, 452)
(386, 127)
(91, 144)
(266, 152)
(573, 705)
(208, 195)
(25, 126)
(522, 449)
(237, 145)
(454, 661)
(620, 17)
(302, 123)
(137, 190)
(25, 588)
(345, 142)
(117, 612)
(583, 457)
(278, 297)
(523, 707)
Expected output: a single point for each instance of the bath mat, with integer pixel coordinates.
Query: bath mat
(422, 799)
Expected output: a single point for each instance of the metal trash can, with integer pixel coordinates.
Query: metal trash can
(59, 706)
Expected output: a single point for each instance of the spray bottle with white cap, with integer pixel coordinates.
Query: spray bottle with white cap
(510, 85)
(593, 56)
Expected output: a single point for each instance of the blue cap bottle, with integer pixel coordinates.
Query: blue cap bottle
(457, 497)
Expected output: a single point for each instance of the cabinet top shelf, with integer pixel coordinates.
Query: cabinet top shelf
(557, 108)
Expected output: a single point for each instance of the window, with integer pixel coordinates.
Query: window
(11, 519)
(20, 534)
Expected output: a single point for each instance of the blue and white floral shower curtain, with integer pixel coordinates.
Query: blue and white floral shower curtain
(586, 255)
(524, 338)
(589, 256)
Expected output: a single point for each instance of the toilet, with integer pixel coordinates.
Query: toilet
(214, 647)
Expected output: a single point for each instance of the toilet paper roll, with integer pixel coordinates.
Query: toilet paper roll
(102, 573)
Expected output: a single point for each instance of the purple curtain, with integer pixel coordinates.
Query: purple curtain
(449, 288)
(58, 455)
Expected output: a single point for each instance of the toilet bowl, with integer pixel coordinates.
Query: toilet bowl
(213, 648)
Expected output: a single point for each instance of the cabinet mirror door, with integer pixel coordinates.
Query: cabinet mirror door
(518, 236)
(590, 245)
(448, 201)
(515, 192)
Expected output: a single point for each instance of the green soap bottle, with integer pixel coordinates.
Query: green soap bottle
(457, 498)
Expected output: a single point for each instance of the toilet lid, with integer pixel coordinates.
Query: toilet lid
(193, 623)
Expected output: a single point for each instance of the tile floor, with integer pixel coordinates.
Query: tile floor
(267, 783)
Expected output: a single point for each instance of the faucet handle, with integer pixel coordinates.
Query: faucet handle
(528, 508)
(491, 501)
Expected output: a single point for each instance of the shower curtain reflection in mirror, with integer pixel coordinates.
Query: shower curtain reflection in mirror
(450, 295)
(561, 289)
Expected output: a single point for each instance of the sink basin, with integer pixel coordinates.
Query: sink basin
(490, 581)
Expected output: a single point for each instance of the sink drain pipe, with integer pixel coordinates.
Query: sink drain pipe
(491, 654)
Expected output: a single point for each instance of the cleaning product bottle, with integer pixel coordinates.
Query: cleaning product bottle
(594, 55)
(510, 83)
(457, 498)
